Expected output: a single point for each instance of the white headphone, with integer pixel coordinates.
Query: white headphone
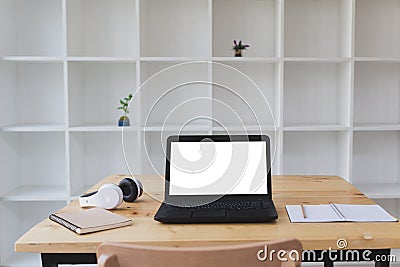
(111, 196)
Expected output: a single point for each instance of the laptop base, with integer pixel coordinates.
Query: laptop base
(165, 214)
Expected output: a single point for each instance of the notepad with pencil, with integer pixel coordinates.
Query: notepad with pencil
(89, 221)
(338, 213)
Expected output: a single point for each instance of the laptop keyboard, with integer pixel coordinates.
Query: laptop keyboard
(225, 206)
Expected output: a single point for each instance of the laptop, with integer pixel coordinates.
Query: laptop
(217, 179)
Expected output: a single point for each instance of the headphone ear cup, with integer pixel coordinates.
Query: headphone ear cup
(118, 191)
(131, 189)
(109, 196)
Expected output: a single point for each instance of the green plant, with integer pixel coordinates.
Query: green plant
(239, 46)
(125, 104)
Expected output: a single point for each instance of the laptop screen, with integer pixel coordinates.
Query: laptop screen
(218, 168)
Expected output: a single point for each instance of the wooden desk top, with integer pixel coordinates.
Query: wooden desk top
(49, 237)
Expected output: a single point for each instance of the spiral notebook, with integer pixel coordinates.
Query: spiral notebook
(338, 213)
(89, 221)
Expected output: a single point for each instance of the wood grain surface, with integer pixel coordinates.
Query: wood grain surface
(49, 237)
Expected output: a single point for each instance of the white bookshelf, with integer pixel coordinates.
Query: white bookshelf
(329, 70)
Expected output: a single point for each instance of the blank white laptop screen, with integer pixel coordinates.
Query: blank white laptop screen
(218, 168)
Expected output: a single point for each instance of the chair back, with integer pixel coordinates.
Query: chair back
(286, 253)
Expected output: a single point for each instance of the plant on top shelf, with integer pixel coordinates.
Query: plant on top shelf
(124, 120)
(238, 47)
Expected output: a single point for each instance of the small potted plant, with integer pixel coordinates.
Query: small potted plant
(124, 120)
(238, 47)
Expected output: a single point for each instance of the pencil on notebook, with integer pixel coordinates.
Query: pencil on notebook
(303, 212)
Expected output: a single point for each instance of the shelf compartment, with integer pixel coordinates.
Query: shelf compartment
(376, 157)
(243, 23)
(237, 102)
(379, 190)
(175, 94)
(34, 160)
(317, 28)
(91, 162)
(377, 28)
(184, 31)
(316, 153)
(316, 93)
(102, 28)
(376, 93)
(95, 90)
(32, 28)
(20, 219)
(33, 93)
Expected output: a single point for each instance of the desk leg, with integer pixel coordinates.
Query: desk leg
(328, 262)
(386, 256)
(54, 259)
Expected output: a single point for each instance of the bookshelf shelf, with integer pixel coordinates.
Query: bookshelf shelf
(33, 128)
(36, 193)
(314, 127)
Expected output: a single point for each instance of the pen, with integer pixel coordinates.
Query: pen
(303, 212)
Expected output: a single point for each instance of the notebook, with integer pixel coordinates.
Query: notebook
(91, 220)
(338, 213)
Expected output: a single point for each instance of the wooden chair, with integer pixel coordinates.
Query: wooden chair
(124, 255)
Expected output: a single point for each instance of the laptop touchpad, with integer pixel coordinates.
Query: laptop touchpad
(209, 214)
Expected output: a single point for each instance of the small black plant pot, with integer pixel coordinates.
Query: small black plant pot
(238, 53)
(123, 121)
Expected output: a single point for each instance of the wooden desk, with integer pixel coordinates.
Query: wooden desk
(51, 239)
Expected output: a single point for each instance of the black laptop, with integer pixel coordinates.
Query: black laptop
(216, 179)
